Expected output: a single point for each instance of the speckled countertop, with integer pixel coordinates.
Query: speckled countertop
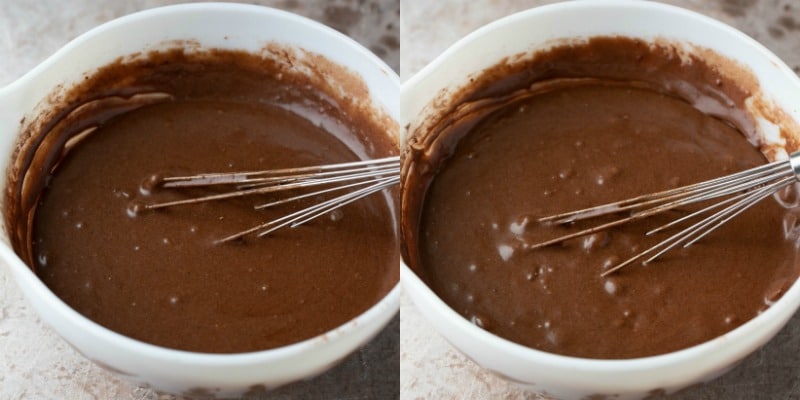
(429, 367)
(34, 362)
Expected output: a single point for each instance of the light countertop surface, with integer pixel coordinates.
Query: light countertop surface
(36, 364)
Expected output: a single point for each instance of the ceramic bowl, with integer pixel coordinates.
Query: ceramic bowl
(774, 106)
(209, 25)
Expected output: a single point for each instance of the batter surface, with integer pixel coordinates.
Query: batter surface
(572, 144)
(157, 276)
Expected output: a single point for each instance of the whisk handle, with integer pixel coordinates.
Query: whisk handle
(794, 161)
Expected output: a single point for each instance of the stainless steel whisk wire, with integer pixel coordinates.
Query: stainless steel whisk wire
(746, 189)
(363, 177)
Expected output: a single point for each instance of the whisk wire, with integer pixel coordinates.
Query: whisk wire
(226, 178)
(745, 189)
(697, 231)
(744, 204)
(307, 195)
(705, 187)
(695, 213)
(366, 177)
(347, 199)
(321, 177)
(300, 217)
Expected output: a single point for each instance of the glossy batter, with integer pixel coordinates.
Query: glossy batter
(571, 144)
(157, 276)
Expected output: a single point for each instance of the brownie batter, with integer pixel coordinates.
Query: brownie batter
(158, 276)
(477, 183)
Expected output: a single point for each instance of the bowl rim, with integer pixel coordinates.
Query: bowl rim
(744, 335)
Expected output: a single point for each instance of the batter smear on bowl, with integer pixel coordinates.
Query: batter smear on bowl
(583, 125)
(158, 276)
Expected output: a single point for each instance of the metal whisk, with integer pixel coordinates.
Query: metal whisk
(745, 189)
(363, 178)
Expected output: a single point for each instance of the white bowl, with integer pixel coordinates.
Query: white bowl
(538, 29)
(210, 25)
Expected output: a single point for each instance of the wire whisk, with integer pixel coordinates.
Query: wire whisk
(744, 189)
(362, 178)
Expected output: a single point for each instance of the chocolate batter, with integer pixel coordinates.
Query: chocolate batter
(476, 183)
(157, 276)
